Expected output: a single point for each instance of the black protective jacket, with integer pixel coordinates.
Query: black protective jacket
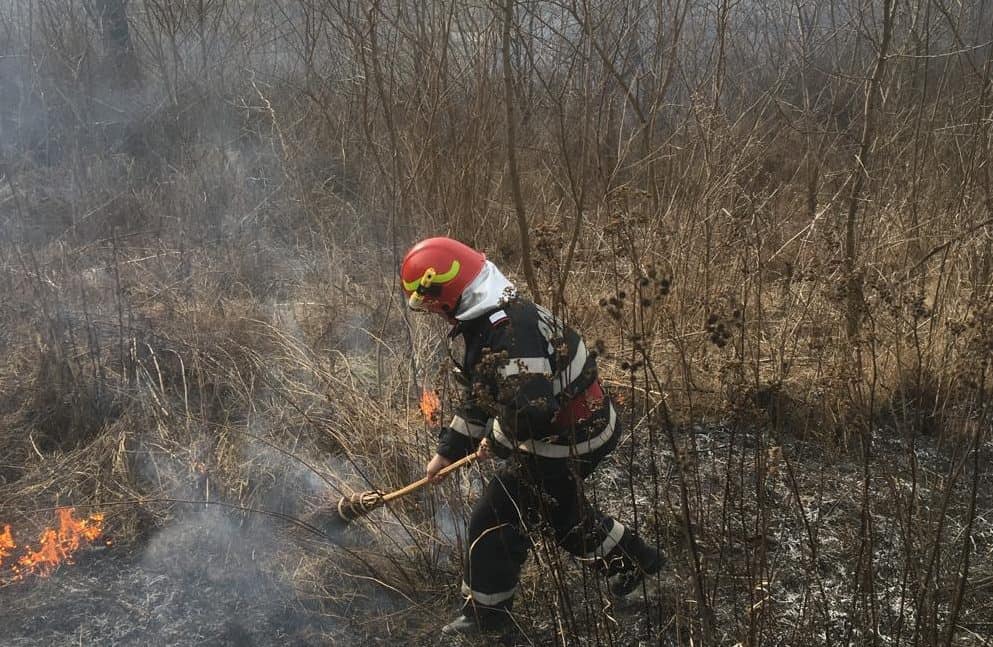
(531, 387)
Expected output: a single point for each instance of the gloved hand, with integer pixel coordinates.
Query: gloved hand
(493, 448)
(435, 465)
(485, 450)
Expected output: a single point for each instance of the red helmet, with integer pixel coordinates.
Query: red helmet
(435, 272)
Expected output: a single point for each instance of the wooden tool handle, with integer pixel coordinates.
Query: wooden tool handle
(416, 485)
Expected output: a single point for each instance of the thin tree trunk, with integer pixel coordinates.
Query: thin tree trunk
(515, 180)
(861, 170)
(120, 57)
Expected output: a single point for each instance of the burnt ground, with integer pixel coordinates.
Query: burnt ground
(183, 587)
(207, 579)
(112, 599)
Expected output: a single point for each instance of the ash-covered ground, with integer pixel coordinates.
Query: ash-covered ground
(112, 599)
(798, 542)
(212, 577)
(199, 581)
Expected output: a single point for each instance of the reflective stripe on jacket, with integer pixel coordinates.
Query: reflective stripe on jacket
(532, 382)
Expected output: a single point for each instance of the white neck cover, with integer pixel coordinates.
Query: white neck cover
(487, 291)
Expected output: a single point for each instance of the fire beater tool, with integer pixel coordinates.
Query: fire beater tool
(360, 504)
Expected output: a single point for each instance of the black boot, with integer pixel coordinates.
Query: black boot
(630, 563)
(477, 619)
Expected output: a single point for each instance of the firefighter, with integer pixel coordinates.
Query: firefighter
(532, 396)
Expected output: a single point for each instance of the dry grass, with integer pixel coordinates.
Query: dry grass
(198, 277)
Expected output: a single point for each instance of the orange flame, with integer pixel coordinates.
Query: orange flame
(56, 545)
(6, 543)
(431, 407)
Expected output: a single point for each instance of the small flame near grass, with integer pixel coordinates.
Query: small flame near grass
(431, 407)
(56, 546)
(6, 544)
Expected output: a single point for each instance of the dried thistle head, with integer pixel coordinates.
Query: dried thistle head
(548, 244)
(718, 330)
(613, 305)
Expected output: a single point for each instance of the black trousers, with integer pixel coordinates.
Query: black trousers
(533, 494)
